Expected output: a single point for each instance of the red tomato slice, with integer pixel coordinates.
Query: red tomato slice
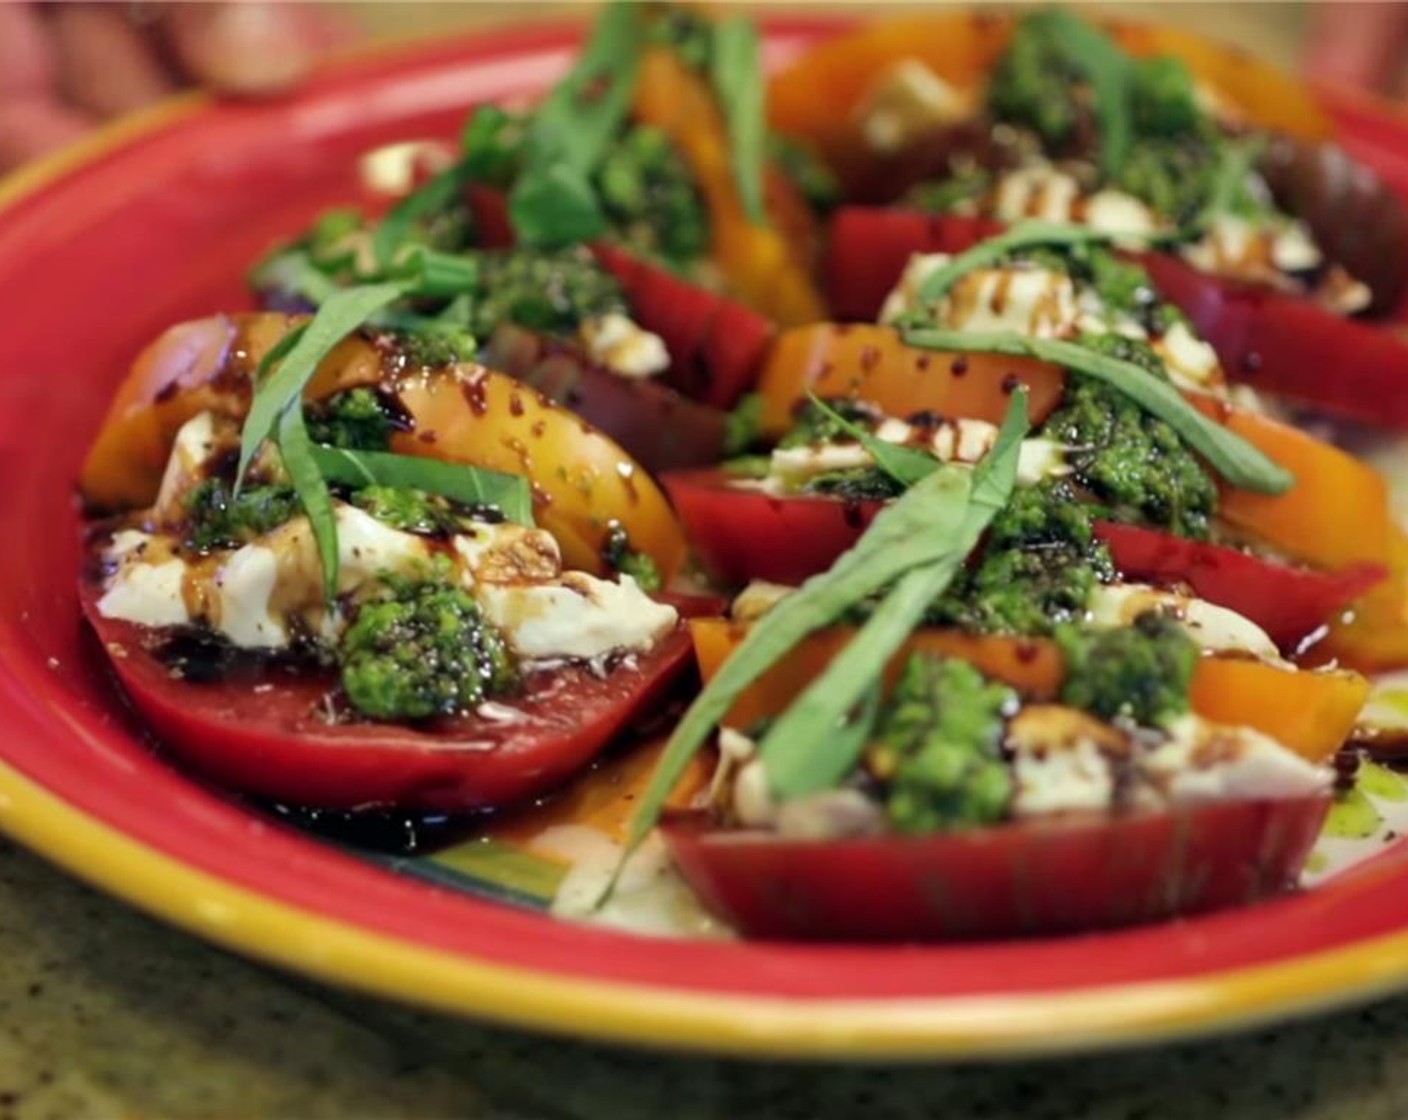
(660, 427)
(1268, 339)
(1292, 346)
(870, 246)
(1290, 604)
(1067, 874)
(716, 344)
(266, 732)
(743, 534)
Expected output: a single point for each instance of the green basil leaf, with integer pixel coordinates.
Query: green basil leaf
(1241, 464)
(901, 537)
(468, 485)
(291, 365)
(1236, 161)
(553, 203)
(1108, 70)
(906, 465)
(1024, 235)
(437, 194)
(296, 451)
(555, 207)
(802, 752)
(739, 86)
(431, 274)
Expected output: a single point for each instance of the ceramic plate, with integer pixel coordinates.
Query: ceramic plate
(154, 222)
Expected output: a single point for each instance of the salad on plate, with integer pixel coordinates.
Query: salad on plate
(908, 496)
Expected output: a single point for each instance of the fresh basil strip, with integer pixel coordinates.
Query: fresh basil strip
(297, 452)
(902, 537)
(436, 195)
(460, 483)
(431, 274)
(553, 204)
(906, 465)
(802, 752)
(738, 84)
(1024, 235)
(1236, 460)
(290, 370)
(1108, 70)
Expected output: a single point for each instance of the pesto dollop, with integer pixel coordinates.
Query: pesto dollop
(1141, 673)
(422, 649)
(938, 748)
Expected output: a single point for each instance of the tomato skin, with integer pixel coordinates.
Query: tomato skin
(1292, 346)
(1268, 339)
(464, 413)
(1310, 713)
(273, 743)
(743, 534)
(716, 344)
(1062, 875)
(661, 428)
(870, 246)
(1288, 603)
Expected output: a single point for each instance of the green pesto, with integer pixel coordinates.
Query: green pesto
(1163, 98)
(854, 484)
(806, 171)
(620, 557)
(1036, 84)
(743, 428)
(431, 343)
(811, 426)
(939, 744)
(1037, 569)
(686, 32)
(1140, 672)
(938, 196)
(493, 145)
(411, 511)
(354, 419)
(1132, 462)
(650, 197)
(423, 650)
(215, 520)
(550, 291)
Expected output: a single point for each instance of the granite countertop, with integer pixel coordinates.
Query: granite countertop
(105, 1013)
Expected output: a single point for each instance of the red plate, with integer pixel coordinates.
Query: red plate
(155, 222)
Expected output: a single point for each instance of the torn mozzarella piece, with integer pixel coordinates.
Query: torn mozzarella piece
(1201, 761)
(1023, 298)
(1062, 760)
(1191, 362)
(1215, 629)
(1042, 191)
(148, 584)
(578, 616)
(949, 441)
(905, 101)
(617, 342)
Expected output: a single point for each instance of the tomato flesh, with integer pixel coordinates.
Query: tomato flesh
(266, 731)
(742, 534)
(1065, 874)
(1268, 339)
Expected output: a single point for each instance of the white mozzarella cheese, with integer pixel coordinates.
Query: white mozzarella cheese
(1189, 359)
(1213, 628)
(623, 346)
(579, 616)
(1061, 761)
(905, 101)
(1200, 761)
(147, 587)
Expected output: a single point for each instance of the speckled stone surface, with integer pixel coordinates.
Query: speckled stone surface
(104, 1013)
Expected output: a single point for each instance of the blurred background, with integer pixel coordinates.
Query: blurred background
(67, 67)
